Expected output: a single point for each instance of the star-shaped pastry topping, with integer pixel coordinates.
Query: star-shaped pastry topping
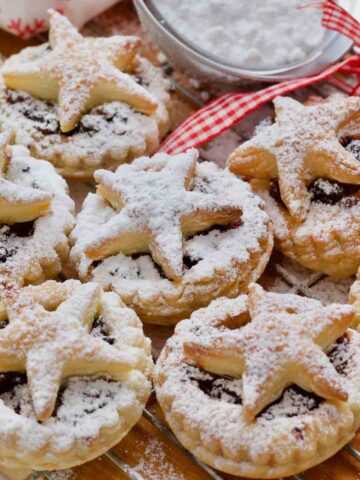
(79, 72)
(18, 203)
(284, 343)
(156, 209)
(53, 345)
(303, 144)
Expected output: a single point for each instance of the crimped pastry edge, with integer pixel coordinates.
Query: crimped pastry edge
(336, 257)
(78, 166)
(178, 301)
(195, 437)
(13, 453)
(38, 263)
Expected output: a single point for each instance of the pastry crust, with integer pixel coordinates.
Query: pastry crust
(302, 152)
(206, 414)
(93, 413)
(327, 241)
(79, 72)
(354, 298)
(101, 118)
(34, 251)
(220, 261)
(302, 145)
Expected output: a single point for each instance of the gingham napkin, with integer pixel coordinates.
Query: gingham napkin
(26, 18)
(223, 112)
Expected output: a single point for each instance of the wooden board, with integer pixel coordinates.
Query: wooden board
(150, 451)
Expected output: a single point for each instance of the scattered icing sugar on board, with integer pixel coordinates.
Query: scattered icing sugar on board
(154, 465)
(261, 33)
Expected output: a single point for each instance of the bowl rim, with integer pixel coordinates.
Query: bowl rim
(149, 8)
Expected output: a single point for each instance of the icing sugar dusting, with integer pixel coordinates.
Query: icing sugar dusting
(285, 333)
(79, 72)
(139, 280)
(24, 247)
(271, 33)
(84, 408)
(185, 394)
(63, 475)
(154, 465)
(332, 224)
(107, 135)
(158, 206)
(85, 405)
(290, 148)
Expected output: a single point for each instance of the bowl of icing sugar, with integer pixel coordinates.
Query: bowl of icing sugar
(232, 40)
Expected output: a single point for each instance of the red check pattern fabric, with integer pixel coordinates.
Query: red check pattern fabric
(336, 18)
(222, 113)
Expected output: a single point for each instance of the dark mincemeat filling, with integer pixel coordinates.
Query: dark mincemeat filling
(100, 330)
(90, 395)
(46, 121)
(214, 386)
(22, 230)
(210, 385)
(352, 146)
(224, 388)
(340, 363)
(328, 192)
(9, 381)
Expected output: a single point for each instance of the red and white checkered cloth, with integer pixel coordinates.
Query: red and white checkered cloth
(223, 112)
(25, 18)
(336, 18)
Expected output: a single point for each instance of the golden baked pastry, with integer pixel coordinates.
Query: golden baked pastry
(83, 102)
(18, 204)
(14, 473)
(75, 373)
(310, 181)
(170, 234)
(354, 298)
(36, 216)
(262, 386)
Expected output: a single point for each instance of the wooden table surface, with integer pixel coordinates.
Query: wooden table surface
(149, 451)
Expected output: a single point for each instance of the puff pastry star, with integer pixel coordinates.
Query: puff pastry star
(302, 145)
(80, 72)
(156, 209)
(18, 203)
(284, 343)
(53, 345)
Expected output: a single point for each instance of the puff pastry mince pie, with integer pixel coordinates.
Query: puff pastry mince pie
(36, 216)
(264, 385)
(170, 234)
(83, 103)
(75, 373)
(307, 168)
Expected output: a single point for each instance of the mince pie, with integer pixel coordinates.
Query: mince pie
(307, 168)
(36, 216)
(169, 235)
(84, 103)
(75, 373)
(264, 385)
